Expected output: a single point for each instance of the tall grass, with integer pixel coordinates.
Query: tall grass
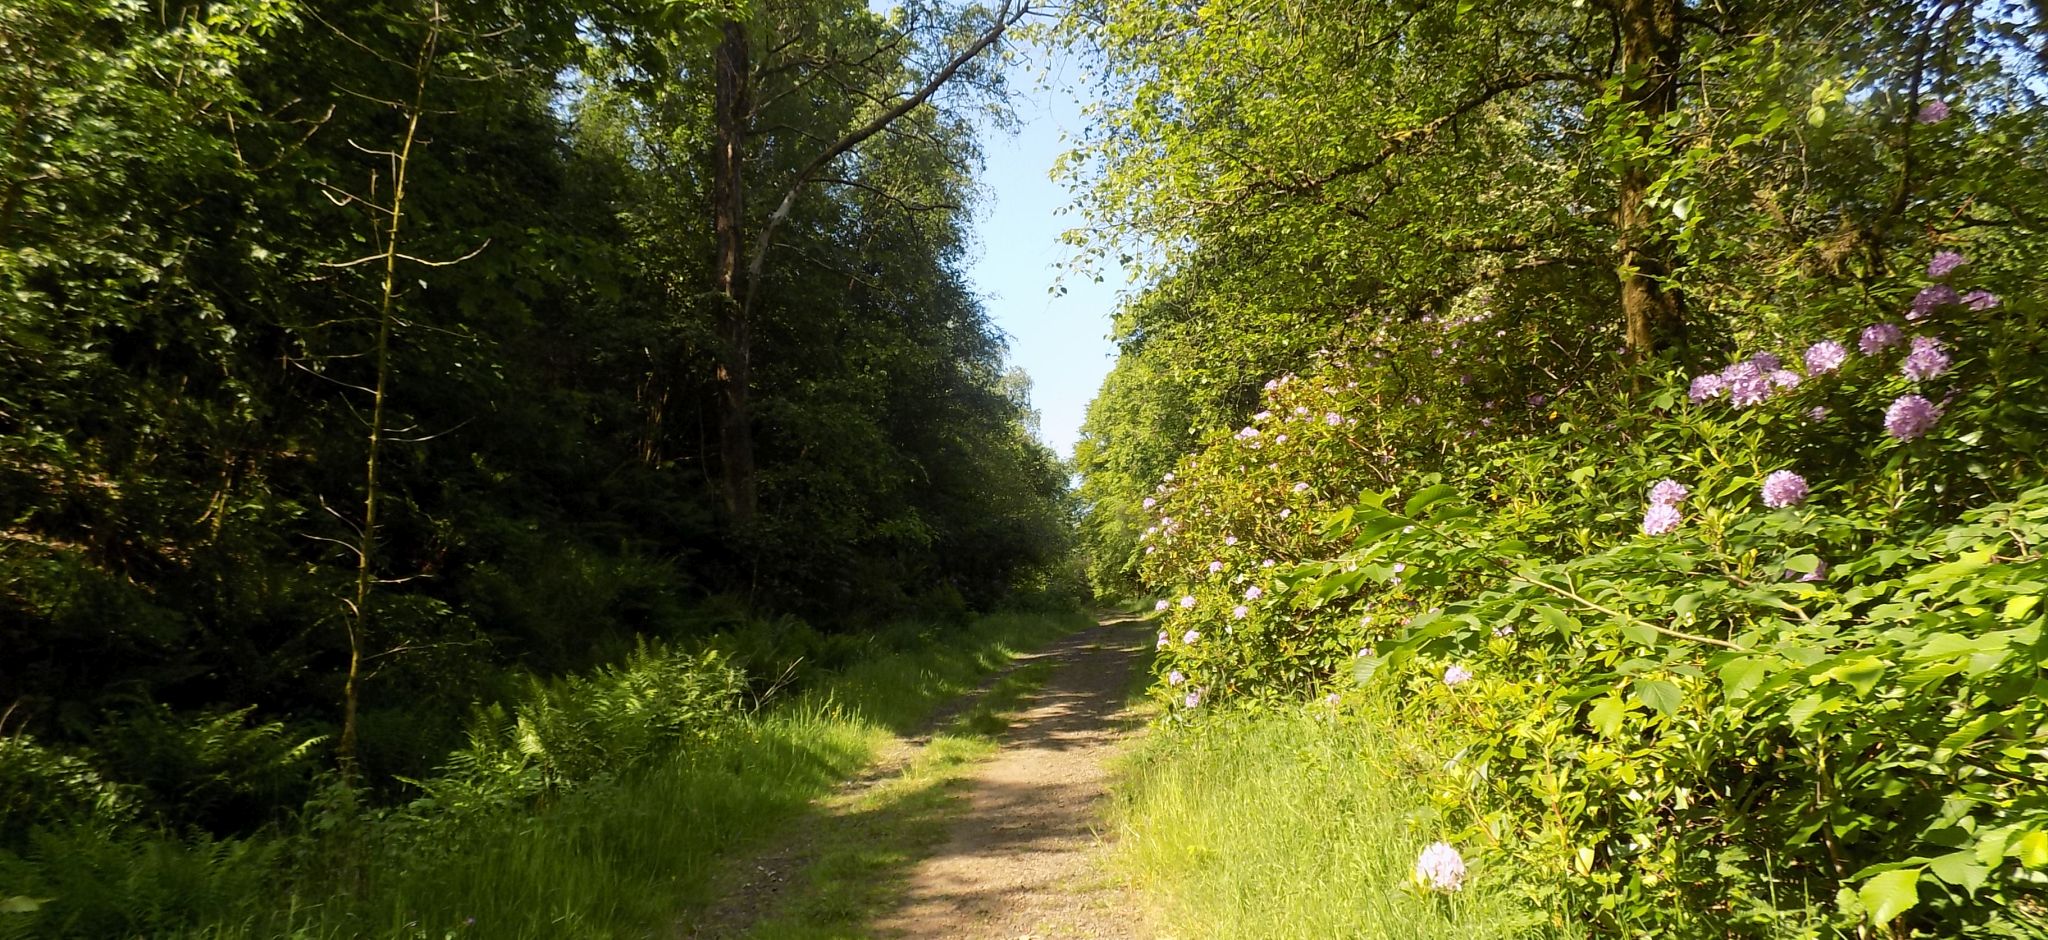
(1295, 823)
(625, 855)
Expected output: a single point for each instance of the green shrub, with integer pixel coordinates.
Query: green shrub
(1725, 717)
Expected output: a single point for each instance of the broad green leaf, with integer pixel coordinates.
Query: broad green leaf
(1660, 695)
(1960, 869)
(1429, 496)
(1888, 895)
(1606, 716)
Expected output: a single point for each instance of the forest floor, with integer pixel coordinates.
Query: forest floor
(987, 825)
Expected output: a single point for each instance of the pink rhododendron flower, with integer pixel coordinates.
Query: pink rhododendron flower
(1934, 111)
(1783, 489)
(1877, 337)
(1825, 356)
(1980, 300)
(1944, 263)
(1910, 417)
(1440, 868)
(1668, 492)
(1926, 360)
(1661, 519)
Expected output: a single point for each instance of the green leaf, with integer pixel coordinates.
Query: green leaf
(21, 905)
(1891, 894)
(1742, 676)
(1429, 496)
(1660, 695)
(1960, 869)
(1607, 715)
(2034, 849)
(1861, 674)
(1639, 632)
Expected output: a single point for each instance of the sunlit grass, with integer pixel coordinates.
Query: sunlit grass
(1287, 824)
(630, 856)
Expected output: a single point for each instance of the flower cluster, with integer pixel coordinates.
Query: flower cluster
(1760, 377)
(1662, 517)
(1440, 868)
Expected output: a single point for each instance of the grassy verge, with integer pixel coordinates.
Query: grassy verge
(1294, 823)
(617, 857)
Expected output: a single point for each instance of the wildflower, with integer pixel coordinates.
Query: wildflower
(1333, 419)
(1240, 612)
(1825, 356)
(1160, 606)
(1668, 492)
(1980, 300)
(1272, 384)
(1784, 378)
(1332, 699)
(1193, 699)
(1175, 678)
(1149, 549)
(1301, 487)
(1877, 337)
(1910, 417)
(1215, 567)
(1253, 593)
(1767, 361)
(1929, 298)
(1817, 413)
(1934, 111)
(1538, 399)
(1504, 630)
(1263, 416)
(1150, 502)
(1784, 488)
(1268, 563)
(1440, 868)
(1188, 602)
(1457, 675)
(1944, 264)
(1300, 410)
(1747, 384)
(1709, 386)
(1284, 513)
(1661, 519)
(1190, 637)
(1230, 540)
(1169, 478)
(1282, 439)
(1162, 633)
(1926, 360)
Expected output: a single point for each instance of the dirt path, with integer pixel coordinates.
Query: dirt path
(1023, 858)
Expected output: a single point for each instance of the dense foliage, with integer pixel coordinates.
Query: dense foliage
(1386, 417)
(361, 361)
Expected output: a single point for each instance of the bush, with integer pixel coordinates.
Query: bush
(1803, 695)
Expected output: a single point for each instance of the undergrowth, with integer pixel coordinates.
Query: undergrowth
(625, 845)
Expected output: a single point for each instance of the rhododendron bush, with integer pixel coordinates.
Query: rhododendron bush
(1748, 649)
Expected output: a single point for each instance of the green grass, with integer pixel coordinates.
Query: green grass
(625, 857)
(863, 847)
(1292, 823)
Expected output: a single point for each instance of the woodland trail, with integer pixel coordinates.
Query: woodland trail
(1021, 856)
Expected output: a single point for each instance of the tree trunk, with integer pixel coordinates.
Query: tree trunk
(735, 335)
(1650, 49)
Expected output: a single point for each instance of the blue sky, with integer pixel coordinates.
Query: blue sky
(1062, 341)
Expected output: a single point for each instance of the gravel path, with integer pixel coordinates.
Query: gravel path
(1024, 858)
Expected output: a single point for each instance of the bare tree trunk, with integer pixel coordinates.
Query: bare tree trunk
(735, 332)
(366, 545)
(1650, 48)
